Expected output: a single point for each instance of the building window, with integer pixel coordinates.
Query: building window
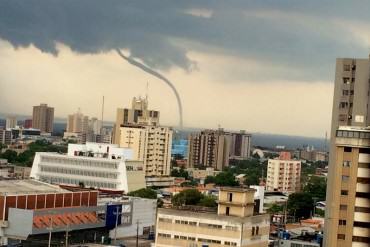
(343, 207)
(344, 192)
(346, 67)
(227, 210)
(342, 222)
(347, 163)
(230, 197)
(253, 230)
(341, 236)
(347, 149)
(345, 178)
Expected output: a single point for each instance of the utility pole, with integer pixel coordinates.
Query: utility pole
(67, 233)
(117, 213)
(50, 228)
(137, 233)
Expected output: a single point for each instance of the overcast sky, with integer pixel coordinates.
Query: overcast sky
(263, 66)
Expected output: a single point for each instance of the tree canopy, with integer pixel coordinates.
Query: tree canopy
(300, 205)
(180, 173)
(316, 187)
(144, 193)
(222, 179)
(193, 197)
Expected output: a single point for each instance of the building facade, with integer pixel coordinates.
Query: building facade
(283, 174)
(150, 144)
(43, 118)
(350, 108)
(233, 225)
(11, 122)
(101, 166)
(138, 114)
(348, 223)
(77, 123)
(5, 136)
(214, 148)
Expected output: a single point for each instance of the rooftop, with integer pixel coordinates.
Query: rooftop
(238, 189)
(209, 215)
(28, 186)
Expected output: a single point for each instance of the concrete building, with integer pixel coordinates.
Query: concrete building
(27, 123)
(283, 174)
(101, 166)
(209, 148)
(43, 118)
(348, 210)
(350, 108)
(150, 144)
(28, 208)
(11, 122)
(139, 215)
(138, 114)
(77, 123)
(233, 225)
(240, 145)
(214, 148)
(5, 136)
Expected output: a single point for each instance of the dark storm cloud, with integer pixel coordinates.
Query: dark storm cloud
(156, 31)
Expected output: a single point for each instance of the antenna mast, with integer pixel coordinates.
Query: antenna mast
(102, 117)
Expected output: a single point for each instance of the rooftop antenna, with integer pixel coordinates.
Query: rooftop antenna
(326, 140)
(102, 117)
(147, 90)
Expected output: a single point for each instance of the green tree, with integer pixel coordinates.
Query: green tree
(10, 155)
(180, 173)
(300, 205)
(210, 180)
(226, 179)
(208, 201)
(2, 146)
(275, 209)
(144, 193)
(187, 197)
(316, 187)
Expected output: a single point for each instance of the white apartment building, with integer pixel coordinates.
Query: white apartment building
(283, 174)
(150, 144)
(101, 166)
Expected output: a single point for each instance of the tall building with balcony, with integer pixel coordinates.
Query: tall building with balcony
(283, 174)
(350, 108)
(348, 222)
(77, 123)
(138, 114)
(150, 144)
(214, 148)
(234, 223)
(43, 118)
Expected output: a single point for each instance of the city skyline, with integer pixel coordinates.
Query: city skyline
(275, 65)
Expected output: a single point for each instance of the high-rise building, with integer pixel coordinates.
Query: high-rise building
(11, 122)
(214, 148)
(27, 124)
(234, 223)
(283, 174)
(240, 145)
(43, 118)
(348, 222)
(5, 136)
(138, 114)
(77, 123)
(350, 108)
(151, 144)
(209, 148)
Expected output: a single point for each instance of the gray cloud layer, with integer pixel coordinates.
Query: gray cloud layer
(302, 39)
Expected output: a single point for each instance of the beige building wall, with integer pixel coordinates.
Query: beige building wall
(238, 227)
(151, 144)
(283, 175)
(350, 108)
(11, 122)
(43, 118)
(349, 224)
(138, 114)
(77, 123)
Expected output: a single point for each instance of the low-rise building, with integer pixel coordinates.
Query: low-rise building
(234, 224)
(101, 166)
(30, 208)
